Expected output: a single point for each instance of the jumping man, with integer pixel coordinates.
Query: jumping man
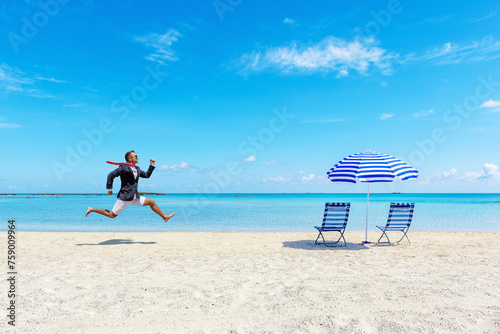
(129, 174)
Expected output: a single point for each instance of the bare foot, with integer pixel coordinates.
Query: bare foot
(167, 217)
(89, 210)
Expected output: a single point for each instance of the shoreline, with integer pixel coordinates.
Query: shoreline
(276, 282)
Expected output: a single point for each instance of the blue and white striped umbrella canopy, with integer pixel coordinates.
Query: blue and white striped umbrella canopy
(371, 167)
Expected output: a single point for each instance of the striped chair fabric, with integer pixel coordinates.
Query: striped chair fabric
(399, 220)
(334, 220)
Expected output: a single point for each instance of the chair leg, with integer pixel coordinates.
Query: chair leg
(405, 235)
(387, 237)
(342, 235)
(330, 244)
(320, 234)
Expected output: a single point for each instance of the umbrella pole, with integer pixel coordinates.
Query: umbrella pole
(367, 204)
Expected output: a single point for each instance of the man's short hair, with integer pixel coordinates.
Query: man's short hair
(128, 154)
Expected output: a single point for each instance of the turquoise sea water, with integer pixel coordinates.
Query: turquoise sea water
(248, 212)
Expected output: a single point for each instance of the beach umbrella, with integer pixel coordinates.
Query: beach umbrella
(370, 167)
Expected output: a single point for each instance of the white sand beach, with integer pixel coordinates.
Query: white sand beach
(445, 282)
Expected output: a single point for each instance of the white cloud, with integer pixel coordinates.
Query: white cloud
(491, 104)
(272, 162)
(277, 179)
(332, 54)
(250, 158)
(471, 176)
(9, 125)
(386, 116)
(490, 15)
(436, 19)
(307, 178)
(423, 113)
(446, 177)
(361, 55)
(448, 174)
(289, 21)
(489, 172)
(162, 45)
(51, 80)
(184, 166)
(449, 53)
(13, 80)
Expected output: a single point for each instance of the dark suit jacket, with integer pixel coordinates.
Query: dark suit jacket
(129, 183)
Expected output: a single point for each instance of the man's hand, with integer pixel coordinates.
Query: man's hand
(110, 192)
(152, 162)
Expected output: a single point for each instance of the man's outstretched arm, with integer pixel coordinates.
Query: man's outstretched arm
(150, 170)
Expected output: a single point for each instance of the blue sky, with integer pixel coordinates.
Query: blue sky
(248, 96)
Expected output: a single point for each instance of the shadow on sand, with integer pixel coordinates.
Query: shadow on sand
(118, 242)
(310, 245)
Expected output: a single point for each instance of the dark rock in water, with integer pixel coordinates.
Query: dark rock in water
(145, 193)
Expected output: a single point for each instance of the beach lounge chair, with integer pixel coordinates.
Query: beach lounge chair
(400, 215)
(334, 220)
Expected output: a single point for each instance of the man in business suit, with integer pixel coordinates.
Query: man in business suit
(129, 195)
